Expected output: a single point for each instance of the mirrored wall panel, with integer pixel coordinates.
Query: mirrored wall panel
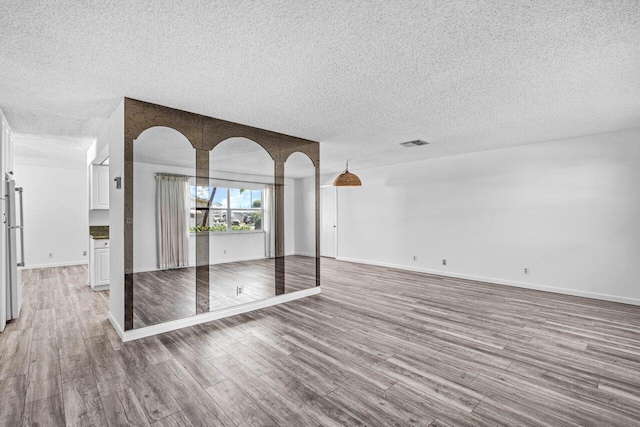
(217, 215)
(300, 244)
(164, 245)
(241, 225)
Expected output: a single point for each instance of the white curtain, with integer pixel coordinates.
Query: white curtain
(269, 222)
(173, 221)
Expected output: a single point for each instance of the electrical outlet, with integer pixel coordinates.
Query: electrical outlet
(444, 262)
(239, 290)
(526, 271)
(415, 257)
(84, 253)
(50, 254)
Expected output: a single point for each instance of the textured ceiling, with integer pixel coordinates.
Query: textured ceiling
(49, 150)
(358, 76)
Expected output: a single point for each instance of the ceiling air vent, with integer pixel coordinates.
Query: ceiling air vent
(415, 143)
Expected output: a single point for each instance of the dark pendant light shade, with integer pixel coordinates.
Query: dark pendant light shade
(347, 179)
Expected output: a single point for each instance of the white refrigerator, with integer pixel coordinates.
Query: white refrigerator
(14, 247)
(11, 232)
(3, 262)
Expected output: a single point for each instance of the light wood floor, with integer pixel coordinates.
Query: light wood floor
(161, 296)
(377, 347)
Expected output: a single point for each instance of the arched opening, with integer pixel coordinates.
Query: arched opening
(239, 217)
(300, 248)
(164, 247)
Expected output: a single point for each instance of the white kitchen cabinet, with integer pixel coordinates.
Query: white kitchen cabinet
(102, 267)
(99, 264)
(99, 187)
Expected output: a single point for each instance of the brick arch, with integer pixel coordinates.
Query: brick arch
(307, 155)
(140, 116)
(269, 152)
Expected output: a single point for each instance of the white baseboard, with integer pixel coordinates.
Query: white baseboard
(54, 264)
(305, 254)
(208, 317)
(563, 291)
(100, 288)
(223, 261)
(116, 326)
(227, 261)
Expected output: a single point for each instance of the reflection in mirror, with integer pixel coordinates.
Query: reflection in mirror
(163, 213)
(300, 259)
(238, 217)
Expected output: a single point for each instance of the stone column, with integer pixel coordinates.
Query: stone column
(279, 225)
(202, 240)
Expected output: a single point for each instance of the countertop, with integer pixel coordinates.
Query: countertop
(99, 232)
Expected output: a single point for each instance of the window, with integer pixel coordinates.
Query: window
(224, 210)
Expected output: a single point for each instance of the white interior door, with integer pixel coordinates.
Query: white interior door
(328, 222)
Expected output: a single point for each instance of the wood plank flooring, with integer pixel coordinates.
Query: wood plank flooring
(161, 296)
(378, 347)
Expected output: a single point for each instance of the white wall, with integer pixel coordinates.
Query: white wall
(55, 214)
(115, 141)
(305, 213)
(238, 247)
(568, 210)
(97, 216)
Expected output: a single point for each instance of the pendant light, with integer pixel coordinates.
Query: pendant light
(347, 179)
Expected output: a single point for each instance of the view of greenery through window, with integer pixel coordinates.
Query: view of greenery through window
(224, 210)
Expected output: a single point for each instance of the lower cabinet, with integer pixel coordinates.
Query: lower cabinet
(99, 264)
(102, 267)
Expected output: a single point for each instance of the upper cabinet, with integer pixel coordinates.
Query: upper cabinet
(99, 187)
